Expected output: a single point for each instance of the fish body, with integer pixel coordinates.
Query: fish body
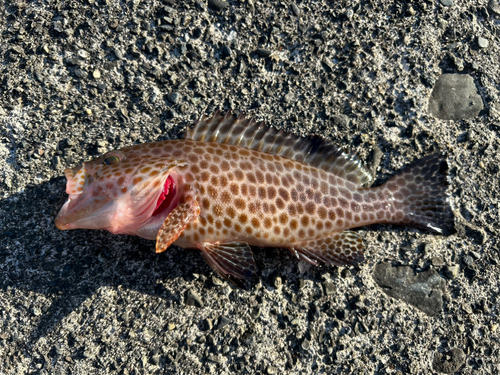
(232, 183)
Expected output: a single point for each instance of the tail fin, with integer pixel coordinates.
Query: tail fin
(421, 189)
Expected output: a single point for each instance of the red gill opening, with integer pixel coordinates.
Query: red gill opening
(166, 197)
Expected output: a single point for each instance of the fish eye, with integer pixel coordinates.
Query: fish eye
(111, 160)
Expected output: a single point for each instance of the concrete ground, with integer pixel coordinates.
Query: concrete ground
(79, 78)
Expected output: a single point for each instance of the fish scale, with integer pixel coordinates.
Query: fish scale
(232, 183)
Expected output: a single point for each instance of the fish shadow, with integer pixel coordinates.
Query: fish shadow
(70, 266)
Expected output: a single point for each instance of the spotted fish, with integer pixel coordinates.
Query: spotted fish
(232, 183)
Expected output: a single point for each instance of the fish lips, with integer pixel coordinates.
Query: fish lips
(80, 212)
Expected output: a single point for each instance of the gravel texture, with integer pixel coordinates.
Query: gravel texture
(79, 78)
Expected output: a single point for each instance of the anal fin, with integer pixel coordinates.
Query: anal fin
(175, 223)
(341, 249)
(232, 260)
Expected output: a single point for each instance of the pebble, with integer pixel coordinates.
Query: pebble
(83, 54)
(295, 9)
(96, 74)
(256, 312)
(223, 321)
(306, 344)
(449, 362)
(328, 288)
(217, 5)
(262, 52)
(455, 97)
(271, 370)
(483, 42)
(447, 3)
(451, 271)
(80, 73)
(193, 299)
(423, 290)
(173, 97)
(118, 53)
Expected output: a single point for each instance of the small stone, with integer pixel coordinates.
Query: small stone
(306, 344)
(295, 10)
(483, 42)
(96, 74)
(424, 290)
(171, 326)
(148, 334)
(449, 362)
(192, 299)
(226, 51)
(217, 5)
(328, 288)
(437, 261)
(173, 97)
(262, 52)
(455, 97)
(223, 321)
(271, 370)
(451, 271)
(80, 73)
(447, 3)
(83, 54)
(36, 311)
(118, 53)
(255, 312)
(56, 162)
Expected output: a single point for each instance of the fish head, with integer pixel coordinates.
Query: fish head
(121, 191)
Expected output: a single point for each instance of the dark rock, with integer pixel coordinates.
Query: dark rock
(217, 5)
(328, 288)
(226, 51)
(262, 52)
(448, 362)
(423, 290)
(192, 299)
(173, 97)
(455, 97)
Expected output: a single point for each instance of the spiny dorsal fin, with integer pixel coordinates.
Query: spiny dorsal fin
(314, 151)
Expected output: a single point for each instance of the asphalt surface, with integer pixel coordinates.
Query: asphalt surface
(78, 79)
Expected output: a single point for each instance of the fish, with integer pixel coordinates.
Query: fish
(232, 183)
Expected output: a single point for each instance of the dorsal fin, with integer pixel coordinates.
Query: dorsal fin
(314, 151)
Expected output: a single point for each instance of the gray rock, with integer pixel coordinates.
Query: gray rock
(455, 97)
(447, 3)
(193, 299)
(423, 290)
(295, 9)
(449, 362)
(173, 97)
(223, 321)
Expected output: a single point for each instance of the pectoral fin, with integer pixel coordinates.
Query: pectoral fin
(175, 223)
(232, 260)
(341, 249)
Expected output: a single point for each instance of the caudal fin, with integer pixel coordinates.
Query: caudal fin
(420, 192)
